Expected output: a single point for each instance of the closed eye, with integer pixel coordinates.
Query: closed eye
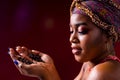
(83, 32)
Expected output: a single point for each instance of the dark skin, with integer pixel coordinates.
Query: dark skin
(44, 70)
(88, 45)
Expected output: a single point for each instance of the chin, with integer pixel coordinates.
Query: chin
(80, 59)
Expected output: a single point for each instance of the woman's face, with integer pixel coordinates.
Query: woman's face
(87, 40)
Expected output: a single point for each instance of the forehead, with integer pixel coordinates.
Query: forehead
(76, 18)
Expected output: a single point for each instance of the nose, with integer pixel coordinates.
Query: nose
(74, 38)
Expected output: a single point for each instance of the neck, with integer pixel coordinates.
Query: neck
(100, 58)
(108, 50)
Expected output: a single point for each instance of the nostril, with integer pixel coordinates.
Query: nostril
(75, 40)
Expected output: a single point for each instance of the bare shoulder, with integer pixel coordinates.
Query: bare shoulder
(109, 70)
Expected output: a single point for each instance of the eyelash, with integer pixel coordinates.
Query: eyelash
(82, 32)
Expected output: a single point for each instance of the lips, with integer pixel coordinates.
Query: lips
(76, 50)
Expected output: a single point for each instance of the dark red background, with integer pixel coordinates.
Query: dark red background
(41, 25)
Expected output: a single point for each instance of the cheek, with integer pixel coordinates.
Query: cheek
(97, 39)
(90, 42)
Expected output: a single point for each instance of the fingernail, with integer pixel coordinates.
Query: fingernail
(15, 62)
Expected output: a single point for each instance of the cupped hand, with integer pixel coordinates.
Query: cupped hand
(34, 63)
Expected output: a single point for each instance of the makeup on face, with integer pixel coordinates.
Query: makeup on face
(80, 27)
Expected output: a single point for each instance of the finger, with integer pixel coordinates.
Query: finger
(37, 52)
(25, 50)
(44, 57)
(27, 55)
(25, 69)
(31, 69)
(20, 67)
(15, 56)
(17, 63)
(22, 50)
(12, 53)
(23, 47)
(25, 60)
(20, 64)
(18, 49)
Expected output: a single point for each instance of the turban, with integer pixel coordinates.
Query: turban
(104, 13)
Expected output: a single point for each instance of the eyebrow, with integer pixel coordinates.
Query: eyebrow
(79, 24)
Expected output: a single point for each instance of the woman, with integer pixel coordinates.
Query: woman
(94, 27)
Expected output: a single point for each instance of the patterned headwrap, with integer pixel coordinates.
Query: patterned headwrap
(104, 13)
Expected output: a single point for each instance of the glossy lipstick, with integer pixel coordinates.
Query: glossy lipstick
(76, 50)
